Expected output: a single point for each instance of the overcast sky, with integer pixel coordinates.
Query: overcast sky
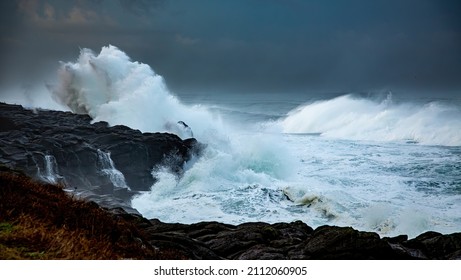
(245, 45)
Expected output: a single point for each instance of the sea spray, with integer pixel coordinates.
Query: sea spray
(110, 87)
(230, 182)
(348, 117)
(242, 174)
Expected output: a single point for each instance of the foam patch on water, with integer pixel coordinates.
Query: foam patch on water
(283, 169)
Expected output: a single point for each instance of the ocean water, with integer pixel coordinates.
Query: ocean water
(375, 162)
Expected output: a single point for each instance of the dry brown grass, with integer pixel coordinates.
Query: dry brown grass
(41, 221)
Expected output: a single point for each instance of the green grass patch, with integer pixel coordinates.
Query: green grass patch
(6, 227)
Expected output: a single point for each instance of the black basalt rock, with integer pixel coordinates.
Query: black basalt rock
(295, 240)
(67, 149)
(434, 245)
(68, 146)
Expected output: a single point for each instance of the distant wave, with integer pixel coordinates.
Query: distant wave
(348, 117)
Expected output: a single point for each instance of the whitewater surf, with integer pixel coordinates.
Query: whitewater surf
(376, 164)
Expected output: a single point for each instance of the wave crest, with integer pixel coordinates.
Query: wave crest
(346, 117)
(110, 87)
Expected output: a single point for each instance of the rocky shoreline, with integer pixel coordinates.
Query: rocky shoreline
(128, 235)
(295, 241)
(106, 164)
(61, 148)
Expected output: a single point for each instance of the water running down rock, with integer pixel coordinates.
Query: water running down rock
(91, 159)
(69, 149)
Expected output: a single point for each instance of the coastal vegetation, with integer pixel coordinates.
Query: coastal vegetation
(42, 221)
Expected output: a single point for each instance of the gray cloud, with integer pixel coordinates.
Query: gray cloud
(142, 7)
(246, 45)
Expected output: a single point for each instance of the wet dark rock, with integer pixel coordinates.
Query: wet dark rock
(69, 146)
(7, 124)
(287, 241)
(331, 242)
(396, 239)
(73, 146)
(434, 245)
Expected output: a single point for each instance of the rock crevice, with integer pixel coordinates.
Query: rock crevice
(65, 148)
(62, 147)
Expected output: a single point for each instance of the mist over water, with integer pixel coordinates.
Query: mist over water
(389, 166)
(110, 87)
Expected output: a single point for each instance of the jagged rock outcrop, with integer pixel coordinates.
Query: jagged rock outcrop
(291, 241)
(65, 147)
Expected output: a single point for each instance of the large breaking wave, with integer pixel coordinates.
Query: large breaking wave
(348, 117)
(110, 87)
(266, 171)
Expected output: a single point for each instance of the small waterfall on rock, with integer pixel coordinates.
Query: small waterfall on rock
(108, 168)
(50, 173)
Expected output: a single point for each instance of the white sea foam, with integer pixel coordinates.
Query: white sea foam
(346, 117)
(110, 87)
(254, 172)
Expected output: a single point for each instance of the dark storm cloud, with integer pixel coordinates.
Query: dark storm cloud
(336, 45)
(247, 45)
(36, 35)
(141, 7)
